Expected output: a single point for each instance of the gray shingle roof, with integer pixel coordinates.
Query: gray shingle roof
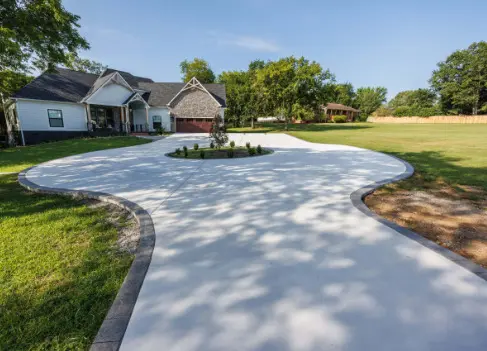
(63, 85)
(72, 86)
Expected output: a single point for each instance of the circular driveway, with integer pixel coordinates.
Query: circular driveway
(269, 253)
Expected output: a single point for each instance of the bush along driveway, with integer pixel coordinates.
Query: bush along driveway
(270, 252)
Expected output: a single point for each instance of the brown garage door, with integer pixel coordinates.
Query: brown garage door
(193, 125)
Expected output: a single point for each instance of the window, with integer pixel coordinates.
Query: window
(55, 118)
(156, 122)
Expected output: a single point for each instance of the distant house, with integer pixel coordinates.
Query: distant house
(66, 104)
(332, 109)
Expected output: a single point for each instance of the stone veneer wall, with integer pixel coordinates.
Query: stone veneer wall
(194, 103)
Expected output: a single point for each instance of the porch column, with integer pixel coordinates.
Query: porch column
(88, 118)
(127, 118)
(147, 118)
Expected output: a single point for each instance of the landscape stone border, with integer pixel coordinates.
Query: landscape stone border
(359, 195)
(112, 330)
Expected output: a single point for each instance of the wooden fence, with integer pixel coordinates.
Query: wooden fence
(432, 119)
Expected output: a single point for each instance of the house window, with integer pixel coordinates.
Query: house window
(156, 122)
(55, 118)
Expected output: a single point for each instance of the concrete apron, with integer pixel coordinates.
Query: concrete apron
(270, 252)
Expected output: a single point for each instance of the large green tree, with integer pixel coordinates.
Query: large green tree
(84, 65)
(422, 98)
(342, 94)
(461, 80)
(237, 87)
(37, 33)
(198, 68)
(369, 99)
(11, 82)
(290, 81)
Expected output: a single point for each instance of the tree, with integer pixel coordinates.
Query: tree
(84, 65)
(198, 68)
(11, 82)
(291, 81)
(237, 89)
(343, 94)
(218, 133)
(37, 34)
(461, 80)
(420, 98)
(369, 99)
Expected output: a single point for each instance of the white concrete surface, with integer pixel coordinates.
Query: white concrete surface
(268, 253)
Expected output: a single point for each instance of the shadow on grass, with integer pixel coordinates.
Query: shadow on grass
(434, 165)
(61, 271)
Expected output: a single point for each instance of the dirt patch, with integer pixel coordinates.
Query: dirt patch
(126, 224)
(453, 217)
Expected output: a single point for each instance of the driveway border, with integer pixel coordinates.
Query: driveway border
(359, 195)
(112, 330)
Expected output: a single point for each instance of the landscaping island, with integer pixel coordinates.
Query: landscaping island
(223, 152)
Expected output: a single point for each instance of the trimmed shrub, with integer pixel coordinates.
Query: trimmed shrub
(212, 145)
(230, 153)
(202, 154)
(252, 151)
(185, 151)
(247, 144)
(340, 119)
(178, 151)
(232, 144)
(259, 149)
(196, 147)
(185, 148)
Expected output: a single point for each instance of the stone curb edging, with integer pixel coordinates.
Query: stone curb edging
(112, 330)
(358, 197)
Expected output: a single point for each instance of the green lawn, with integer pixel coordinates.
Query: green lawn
(19, 158)
(455, 153)
(60, 268)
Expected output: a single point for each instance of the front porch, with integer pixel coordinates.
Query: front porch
(131, 118)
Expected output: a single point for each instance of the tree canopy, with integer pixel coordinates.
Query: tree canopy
(461, 80)
(84, 65)
(198, 68)
(370, 99)
(37, 34)
(342, 94)
(11, 82)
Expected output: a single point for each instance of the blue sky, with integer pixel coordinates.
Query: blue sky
(392, 43)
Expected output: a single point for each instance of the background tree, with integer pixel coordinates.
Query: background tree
(37, 33)
(84, 65)
(237, 89)
(342, 94)
(369, 99)
(417, 98)
(461, 80)
(11, 82)
(291, 81)
(198, 68)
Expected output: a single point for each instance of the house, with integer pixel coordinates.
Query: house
(67, 104)
(333, 109)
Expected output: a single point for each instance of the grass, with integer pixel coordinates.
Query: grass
(19, 158)
(453, 153)
(60, 268)
(210, 153)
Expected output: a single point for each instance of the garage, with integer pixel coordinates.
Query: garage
(193, 125)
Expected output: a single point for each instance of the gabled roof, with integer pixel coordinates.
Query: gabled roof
(335, 106)
(72, 86)
(61, 85)
(160, 94)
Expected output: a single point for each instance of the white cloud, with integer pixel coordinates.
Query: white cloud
(247, 42)
(255, 44)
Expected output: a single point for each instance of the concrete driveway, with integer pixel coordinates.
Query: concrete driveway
(269, 253)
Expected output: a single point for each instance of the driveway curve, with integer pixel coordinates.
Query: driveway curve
(269, 253)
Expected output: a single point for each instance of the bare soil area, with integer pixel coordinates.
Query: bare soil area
(453, 217)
